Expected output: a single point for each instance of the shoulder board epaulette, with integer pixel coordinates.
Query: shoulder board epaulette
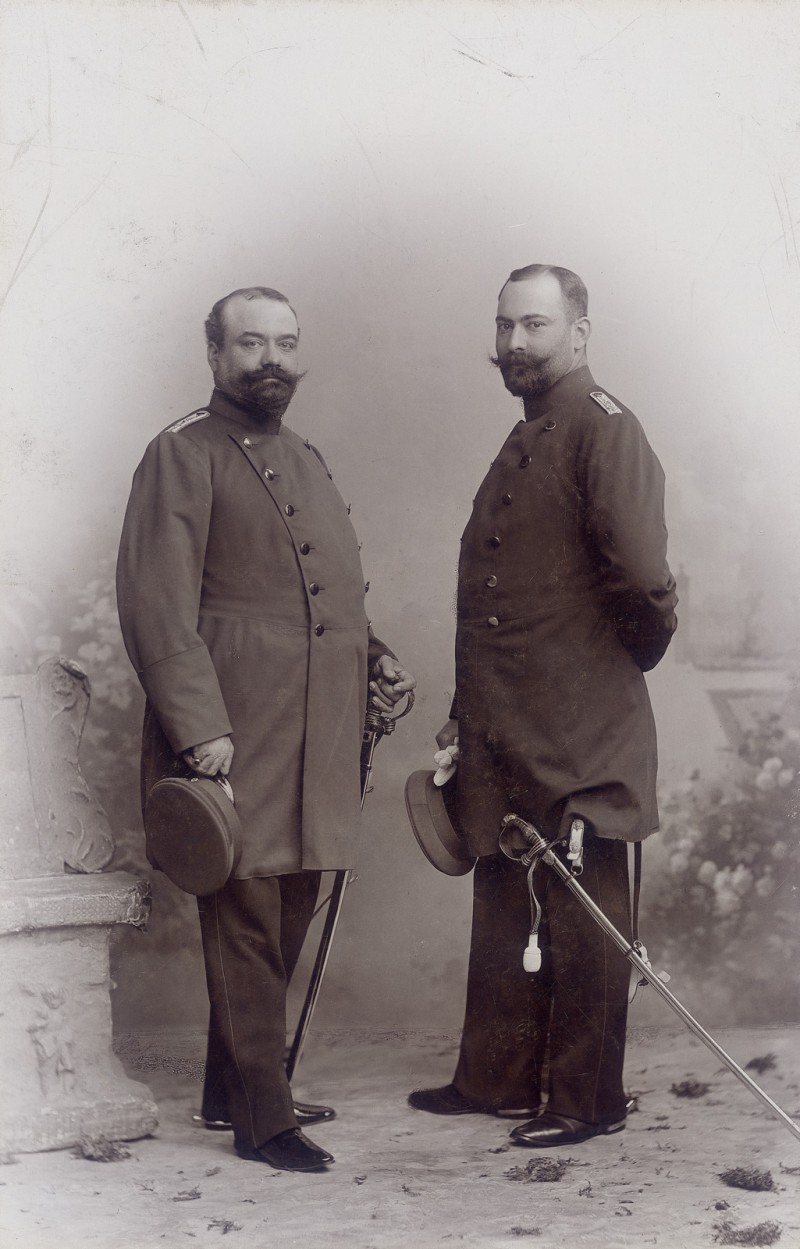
(200, 415)
(608, 405)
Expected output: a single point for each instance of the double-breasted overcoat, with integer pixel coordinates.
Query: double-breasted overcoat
(241, 600)
(564, 599)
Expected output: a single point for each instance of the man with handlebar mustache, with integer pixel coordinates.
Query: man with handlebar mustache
(241, 599)
(564, 600)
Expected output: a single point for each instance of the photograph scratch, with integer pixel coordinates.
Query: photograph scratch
(191, 26)
(243, 235)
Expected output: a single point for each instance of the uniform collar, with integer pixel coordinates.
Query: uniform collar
(222, 405)
(562, 391)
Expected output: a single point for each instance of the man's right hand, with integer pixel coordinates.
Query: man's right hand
(210, 758)
(447, 734)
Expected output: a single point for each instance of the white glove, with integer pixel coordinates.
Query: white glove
(445, 761)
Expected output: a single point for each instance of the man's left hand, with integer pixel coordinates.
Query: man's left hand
(389, 683)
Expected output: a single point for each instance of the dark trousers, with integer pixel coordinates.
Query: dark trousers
(569, 1016)
(252, 931)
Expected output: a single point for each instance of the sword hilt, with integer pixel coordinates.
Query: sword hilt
(382, 722)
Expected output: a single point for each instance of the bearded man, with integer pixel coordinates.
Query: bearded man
(564, 600)
(241, 599)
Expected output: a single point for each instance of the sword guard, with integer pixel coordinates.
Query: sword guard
(382, 722)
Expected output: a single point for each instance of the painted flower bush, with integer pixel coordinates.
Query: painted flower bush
(726, 907)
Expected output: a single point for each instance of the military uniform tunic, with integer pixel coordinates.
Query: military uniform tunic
(241, 599)
(564, 598)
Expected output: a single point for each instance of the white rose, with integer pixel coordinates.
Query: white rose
(726, 904)
(707, 873)
(742, 880)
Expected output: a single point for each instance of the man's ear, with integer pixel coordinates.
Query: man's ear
(212, 355)
(581, 332)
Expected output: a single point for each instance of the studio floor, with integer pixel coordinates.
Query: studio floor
(407, 1180)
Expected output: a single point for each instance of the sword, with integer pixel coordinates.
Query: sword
(377, 724)
(540, 848)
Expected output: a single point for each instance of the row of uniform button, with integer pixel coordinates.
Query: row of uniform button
(305, 547)
(507, 498)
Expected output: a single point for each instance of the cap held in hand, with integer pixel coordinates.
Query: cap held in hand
(193, 832)
(431, 810)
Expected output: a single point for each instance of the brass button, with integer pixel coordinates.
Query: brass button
(507, 499)
(525, 461)
(550, 425)
(289, 510)
(319, 630)
(493, 622)
(247, 442)
(304, 548)
(313, 588)
(491, 581)
(269, 474)
(366, 586)
(494, 540)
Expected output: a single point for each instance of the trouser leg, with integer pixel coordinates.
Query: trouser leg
(215, 1098)
(298, 899)
(507, 1010)
(590, 978)
(252, 933)
(573, 1011)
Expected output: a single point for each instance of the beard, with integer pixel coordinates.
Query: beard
(267, 393)
(524, 378)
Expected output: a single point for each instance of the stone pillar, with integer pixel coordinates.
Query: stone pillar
(60, 1078)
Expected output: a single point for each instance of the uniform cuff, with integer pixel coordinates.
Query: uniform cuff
(185, 694)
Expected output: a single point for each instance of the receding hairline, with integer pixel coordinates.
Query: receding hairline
(214, 325)
(572, 287)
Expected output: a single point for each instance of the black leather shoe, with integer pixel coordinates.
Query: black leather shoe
(288, 1151)
(448, 1101)
(304, 1113)
(549, 1129)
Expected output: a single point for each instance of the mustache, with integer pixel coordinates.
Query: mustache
(278, 373)
(510, 358)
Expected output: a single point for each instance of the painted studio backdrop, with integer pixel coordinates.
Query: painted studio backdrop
(386, 165)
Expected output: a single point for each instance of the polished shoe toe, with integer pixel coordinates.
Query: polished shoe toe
(304, 1113)
(549, 1130)
(288, 1151)
(449, 1101)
